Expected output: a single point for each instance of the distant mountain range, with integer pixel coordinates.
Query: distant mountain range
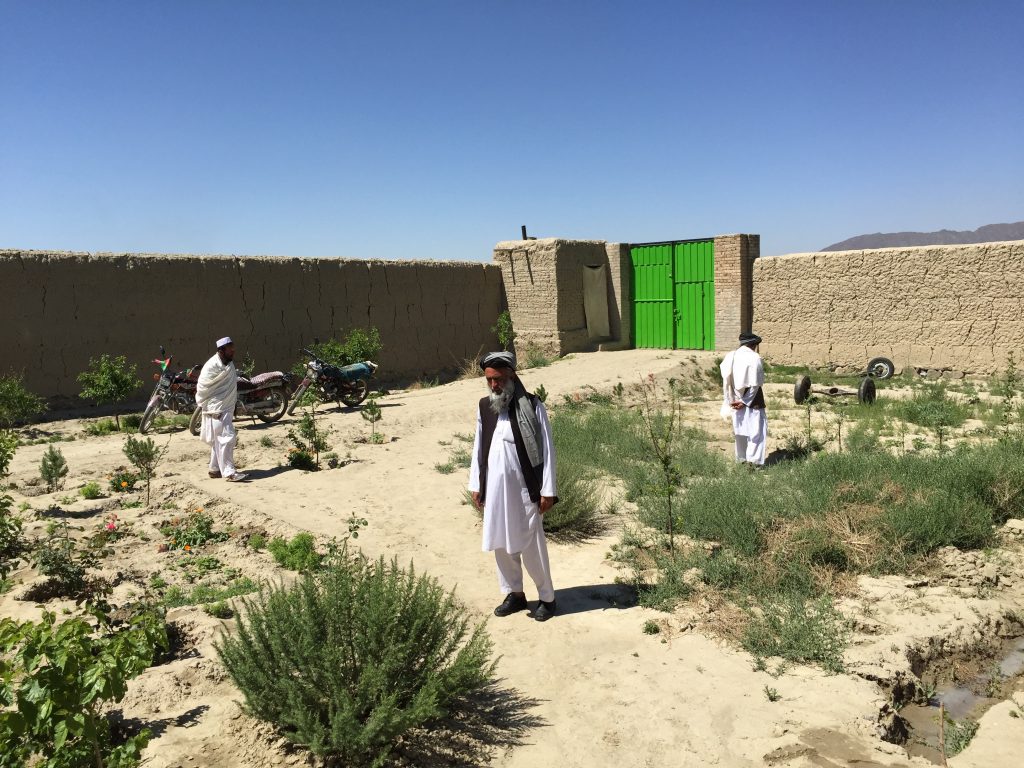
(990, 233)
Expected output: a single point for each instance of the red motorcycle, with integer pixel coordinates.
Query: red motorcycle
(264, 396)
(174, 391)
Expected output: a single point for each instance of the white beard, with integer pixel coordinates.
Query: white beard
(500, 403)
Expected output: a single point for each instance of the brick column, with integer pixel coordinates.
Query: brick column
(734, 297)
(620, 298)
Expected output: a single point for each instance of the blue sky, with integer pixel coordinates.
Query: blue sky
(396, 129)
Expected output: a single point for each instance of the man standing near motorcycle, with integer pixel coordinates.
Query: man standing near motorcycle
(216, 394)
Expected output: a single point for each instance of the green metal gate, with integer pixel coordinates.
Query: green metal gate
(674, 294)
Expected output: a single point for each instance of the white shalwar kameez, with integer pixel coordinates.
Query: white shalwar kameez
(513, 527)
(216, 393)
(742, 379)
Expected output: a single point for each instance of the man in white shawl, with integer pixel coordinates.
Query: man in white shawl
(216, 393)
(743, 399)
(512, 479)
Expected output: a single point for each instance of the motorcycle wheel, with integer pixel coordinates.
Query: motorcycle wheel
(279, 396)
(196, 422)
(296, 396)
(356, 394)
(149, 416)
(881, 368)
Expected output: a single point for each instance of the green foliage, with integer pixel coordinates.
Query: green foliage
(542, 393)
(309, 440)
(91, 490)
(534, 357)
(53, 468)
(145, 457)
(8, 445)
(59, 559)
(194, 530)
(772, 694)
(101, 427)
(358, 345)
(219, 610)
(175, 596)
(17, 404)
(346, 661)
(12, 545)
(266, 441)
(109, 381)
(371, 412)
(799, 630)
(651, 627)
(59, 680)
(299, 554)
(959, 734)
(123, 482)
(257, 541)
(502, 328)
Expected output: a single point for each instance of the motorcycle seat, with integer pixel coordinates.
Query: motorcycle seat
(260, 379)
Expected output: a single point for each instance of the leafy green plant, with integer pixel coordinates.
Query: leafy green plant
(542, 393)
(109, 380)
(266, 441)
(257, 541)
(772, 694)
(53, 468)
(175, 596)
(8, 446)
(651, 627)
(371, 412)
(59, 680)
(502, 328)
(309, 440)
(400, 652)
(194, 530)
(299, 554)
(799, 630)
(534, 357)
(219, 610)
(58, 558)
(145, 457)
(11, 543)
(91, 490)
(17, 404)
(123, 482)
(661, 432)
(357, 345)
(958, 734)
(101, 427)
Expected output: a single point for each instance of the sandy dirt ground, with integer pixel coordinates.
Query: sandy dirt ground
(593, 689)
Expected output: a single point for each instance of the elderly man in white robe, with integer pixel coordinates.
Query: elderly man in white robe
(512, 478)
(743, 399)
(216, 393)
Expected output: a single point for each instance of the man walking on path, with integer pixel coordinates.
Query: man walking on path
(512, 478)
(743, 399)
(216, 394)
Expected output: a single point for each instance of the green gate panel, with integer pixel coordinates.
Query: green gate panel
(674, 295)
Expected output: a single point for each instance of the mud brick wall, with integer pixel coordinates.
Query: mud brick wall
(58, 309)
(543, 282)
(734, 263)
(952, 307)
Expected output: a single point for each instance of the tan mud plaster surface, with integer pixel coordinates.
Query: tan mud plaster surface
(610, 695)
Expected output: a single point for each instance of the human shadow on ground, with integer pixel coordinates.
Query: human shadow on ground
(594, 597)
(493, 718)
(124, 727)
(263, 474)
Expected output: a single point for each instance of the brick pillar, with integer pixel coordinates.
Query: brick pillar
(734, 296)
(620, 298)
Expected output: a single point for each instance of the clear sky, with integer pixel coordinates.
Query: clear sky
(401, 129)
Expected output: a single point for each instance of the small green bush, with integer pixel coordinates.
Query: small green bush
(175, 596)
(219, 610)
(145, 457)
(17, 404)
(346, 661)
(101, 427)
(91, 490)
(502, 328)
(194, 530)
(123, 482)
(108, 381)
(66, 565)
(53, 468)
(299, 554)
(257, 541)
(799, 630)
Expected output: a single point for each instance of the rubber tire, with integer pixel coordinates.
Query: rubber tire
(195, 424)
(350, 399)
(296, 396)
(802, 389)
(866, 391)
(881, 368)
(149, 416)
(270, 418)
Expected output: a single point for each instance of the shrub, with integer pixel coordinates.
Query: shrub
(502, 328)
(53, 468)
(60, 679)
(299, 554)
(145, 457)
(347, 661)
(205, 593)
(91, 490)
(371, 412)
(309, 440)
(799, 630)
(109, 381)
(358, 345)
(219, 610)
(57, 558)
(123, 482)
(257, 541)
(101, 427)
(17, 404)
(194, 530)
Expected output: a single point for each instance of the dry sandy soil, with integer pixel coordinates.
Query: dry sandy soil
(593, 689)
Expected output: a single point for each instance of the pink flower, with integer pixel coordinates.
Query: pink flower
(111, 526)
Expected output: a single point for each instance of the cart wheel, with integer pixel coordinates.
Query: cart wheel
(866, 391)
(881, 368)
(802, 388)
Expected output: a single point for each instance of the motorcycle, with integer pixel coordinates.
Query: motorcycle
(264, 396)
(344, 384)
(174, 391)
